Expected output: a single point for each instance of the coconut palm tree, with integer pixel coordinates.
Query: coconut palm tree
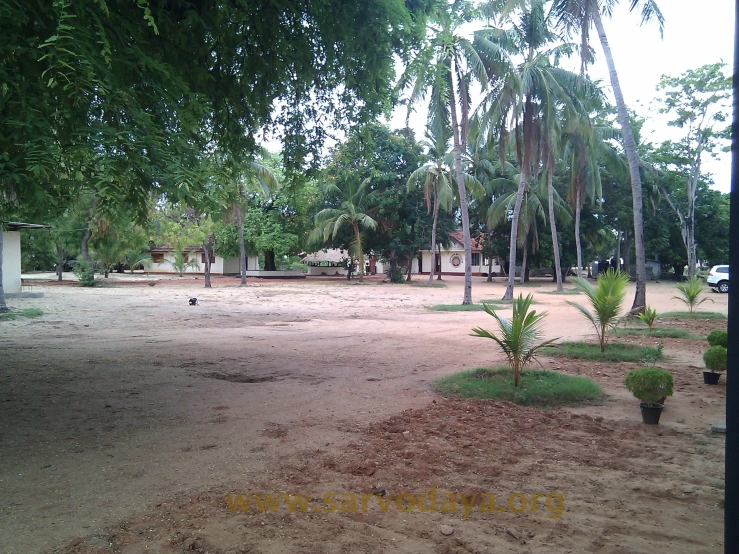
(579, 16)
(445, 66)
(528, 100)
(436, 177)
(356, 209)
(254, 179)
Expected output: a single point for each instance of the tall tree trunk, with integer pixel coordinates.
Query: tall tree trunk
(438, 277)
(89, 269)
(60, 263)
(3, 305)
(242, 246)
(618, 251)
(527, 124)
(433, 236)
(360, 254)
(627, 252)
(490, 261)
(523, 262)
(208, 249)
(269, 260)
(553, 224)
(640, 298)
(462, 196)
(578, 246)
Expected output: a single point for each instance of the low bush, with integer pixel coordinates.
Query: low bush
(649, 384)
(715, 359)
(718, 338)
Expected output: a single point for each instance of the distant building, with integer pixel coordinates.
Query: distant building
(12, 255)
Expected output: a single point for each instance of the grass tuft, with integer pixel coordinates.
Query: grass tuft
(615, 352)
(657, 332)
(538, 387)
(694, 315)
(564, 292)
(30, 313)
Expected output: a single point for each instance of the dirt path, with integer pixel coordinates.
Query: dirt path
(122, 398)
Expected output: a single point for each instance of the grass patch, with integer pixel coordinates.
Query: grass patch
(564, 292)
(615, 352)
(29, 313)
(434, 285)
(538, 387)
(657, 332)
(694, 315)
(456, 308)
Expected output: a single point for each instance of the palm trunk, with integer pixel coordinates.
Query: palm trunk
(523, 262)
(640, 298)
(578, 246)
(3, 305)
(433, 237)
(462, 198)
(553, 225)
(618, 251)
(242, 247)
(514, 237)
(438, 277)
(490, 263)
(360, 254)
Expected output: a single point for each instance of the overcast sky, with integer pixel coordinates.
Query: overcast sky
(696, 33)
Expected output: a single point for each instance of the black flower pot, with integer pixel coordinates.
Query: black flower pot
(650, 412)
(711, 378)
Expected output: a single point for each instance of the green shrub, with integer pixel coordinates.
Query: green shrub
(690, 290)
(715, 358)
(648, 317)
(718, 338)
(396, 275)
(649, 384)
(85, 273)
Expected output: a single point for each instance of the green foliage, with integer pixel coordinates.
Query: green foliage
(85, 273)
(695, 315)
(457, 308)
(648, 317)
(30, 313)
(690, 291)
(650, 358)
(520, 335)
(715, 358)
(537, 387)
(659, 332)
(606, 299)
(649, 384)
(718, 337)
(395, 274)
(136, 258)
(617, 352)
(181, 262)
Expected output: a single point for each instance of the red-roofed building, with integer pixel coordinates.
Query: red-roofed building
(451, 260)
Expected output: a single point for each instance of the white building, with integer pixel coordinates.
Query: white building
(162, 258)
(451, 260)
(12, 255)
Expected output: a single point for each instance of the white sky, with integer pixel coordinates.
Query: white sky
(696, 33)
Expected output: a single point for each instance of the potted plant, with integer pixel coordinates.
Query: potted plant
(715, 360)
(650, 385)
(718, 337)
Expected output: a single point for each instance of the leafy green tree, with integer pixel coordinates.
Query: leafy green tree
(532, 96)
(697, 101)
(355, 210)
(445, 66)
(578, 16)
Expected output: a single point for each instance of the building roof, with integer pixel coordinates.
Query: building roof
(333, 255)
(458, 237)
(162, 248)
(17, 226)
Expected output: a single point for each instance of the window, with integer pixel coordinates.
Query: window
(475, 258)
(212, 258)
(722, 270)
(157, 258)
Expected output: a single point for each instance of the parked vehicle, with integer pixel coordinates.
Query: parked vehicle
(718, 278)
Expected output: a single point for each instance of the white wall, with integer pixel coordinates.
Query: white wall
(219, 266)
(12, 261)
(446, 263)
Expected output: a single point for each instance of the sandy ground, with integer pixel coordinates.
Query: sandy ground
(127, 415)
